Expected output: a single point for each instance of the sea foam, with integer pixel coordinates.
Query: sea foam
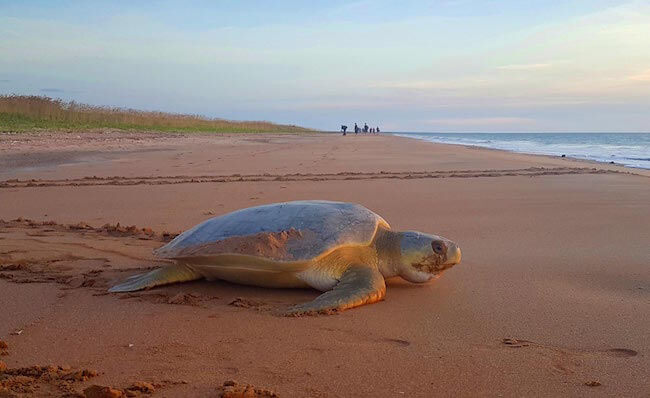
(628, 149)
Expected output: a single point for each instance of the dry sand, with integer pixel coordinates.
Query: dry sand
(552, 297)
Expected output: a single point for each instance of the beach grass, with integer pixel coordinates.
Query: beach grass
(28, 113)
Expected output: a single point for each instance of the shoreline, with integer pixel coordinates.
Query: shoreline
(470, 146)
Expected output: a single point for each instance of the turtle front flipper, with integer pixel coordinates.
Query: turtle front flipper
(359, 285)
(157, 277)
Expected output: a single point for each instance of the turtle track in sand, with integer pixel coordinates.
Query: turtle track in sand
(115, 230)
(80, 256)
(342, 176)
(72, 255)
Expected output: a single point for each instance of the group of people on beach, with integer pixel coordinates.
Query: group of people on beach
(357, 129)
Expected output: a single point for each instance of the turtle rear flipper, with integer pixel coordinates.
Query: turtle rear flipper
(359, 285)
(157, 277)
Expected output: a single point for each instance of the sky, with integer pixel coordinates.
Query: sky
(438, 66)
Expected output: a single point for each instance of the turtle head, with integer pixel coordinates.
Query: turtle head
(424, 256)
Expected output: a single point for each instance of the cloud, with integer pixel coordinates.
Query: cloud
(524, 66)
(480, 121)
(641, 77)
(448, 84)
(421, 84)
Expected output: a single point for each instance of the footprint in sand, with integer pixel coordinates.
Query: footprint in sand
(389, 340)
(399, 342)
(621, 352)
(568, 361)
(612, 352)
(516, 343)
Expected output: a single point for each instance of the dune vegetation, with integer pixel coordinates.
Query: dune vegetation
(26, 113)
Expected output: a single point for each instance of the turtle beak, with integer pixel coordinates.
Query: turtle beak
(453, 255)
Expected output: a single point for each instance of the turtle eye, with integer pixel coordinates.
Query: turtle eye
(438, 247)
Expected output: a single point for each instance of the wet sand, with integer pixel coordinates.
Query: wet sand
(552, 297)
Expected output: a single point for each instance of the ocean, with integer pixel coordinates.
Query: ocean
(628, 149)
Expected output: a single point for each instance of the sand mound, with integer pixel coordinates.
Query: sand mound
(248, 303)
(116, 230)
(44, 380)
(185, 299)
(232, 389)
(137, 388)
(96, 391)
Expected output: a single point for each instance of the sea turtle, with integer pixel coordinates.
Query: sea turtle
(342, 249)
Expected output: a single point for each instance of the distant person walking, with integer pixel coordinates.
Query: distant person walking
(365, 128)
(344, 128)
(356, 129)
(377, 129)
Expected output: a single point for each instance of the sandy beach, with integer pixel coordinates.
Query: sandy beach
(552, 297)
